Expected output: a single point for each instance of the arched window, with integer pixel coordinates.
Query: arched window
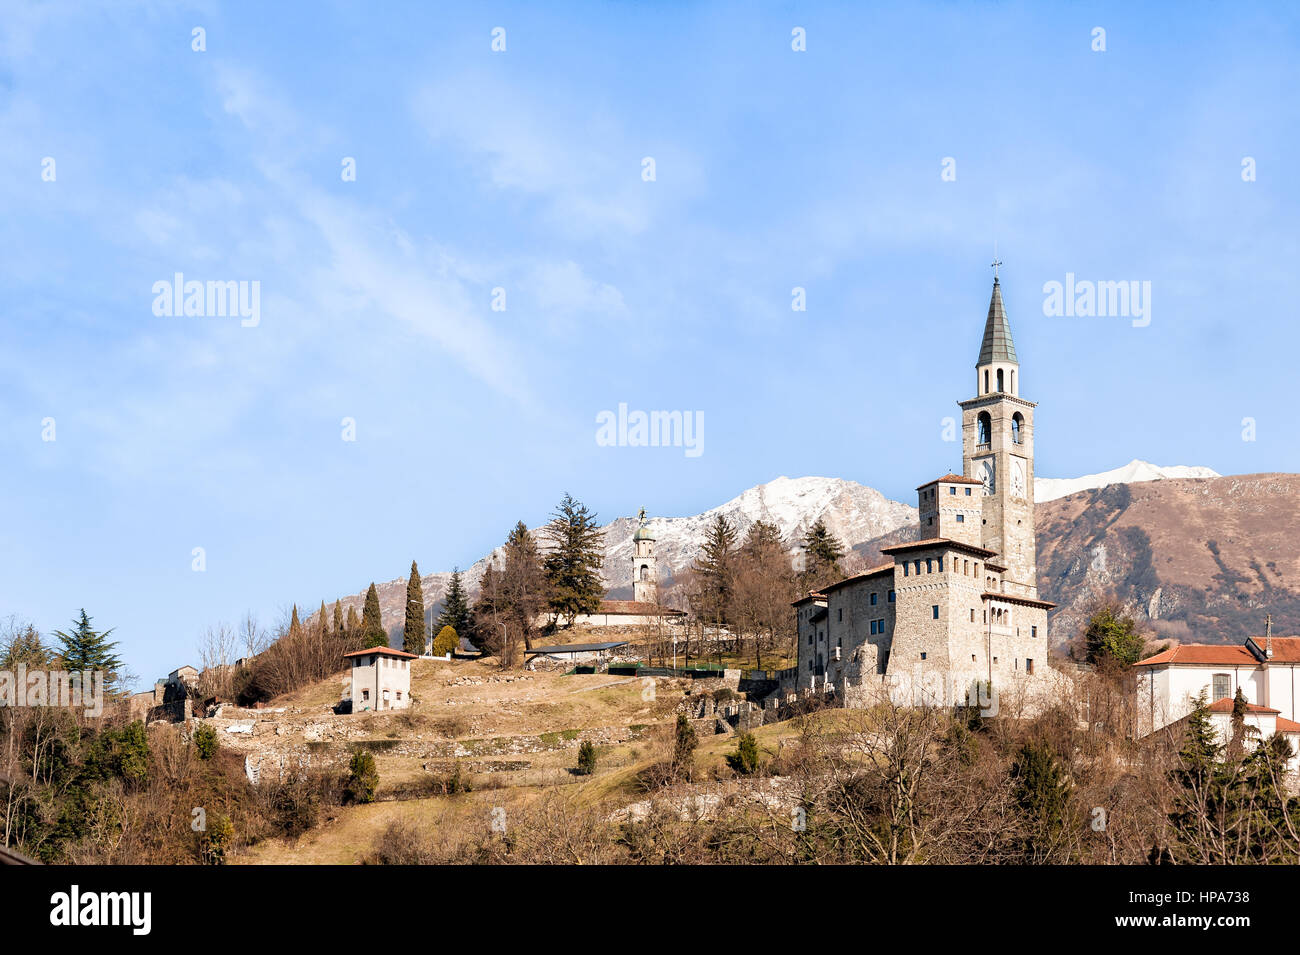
(1000, 388)
(1017, 428)
(645, 572)
(985, 427)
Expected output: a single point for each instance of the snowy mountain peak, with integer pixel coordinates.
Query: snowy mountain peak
(1049, 489)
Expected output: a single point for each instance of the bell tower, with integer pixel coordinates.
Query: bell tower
(998, 450)
(644, 578)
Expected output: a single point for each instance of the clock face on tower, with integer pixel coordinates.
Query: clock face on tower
(1018, 478)
(988, 474)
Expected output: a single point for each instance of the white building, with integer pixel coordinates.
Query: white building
(381, 679)
(1265, 669)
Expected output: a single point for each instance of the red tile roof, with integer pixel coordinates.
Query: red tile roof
(1285, 649)
(950, 479)
(1202, 654)
(873, 572)
(939, 542)
(383, 651)
(1285, 725)
(1016, 599)
(1225, 706)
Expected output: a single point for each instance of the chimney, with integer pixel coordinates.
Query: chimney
(1268, 636)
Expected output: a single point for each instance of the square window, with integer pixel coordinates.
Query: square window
(1033, 631)
(961, 518)
(922, 654)
(968, 492)
(1029, 665)
(873, 599)
(891, 596)
(952, 490)
(934, 611)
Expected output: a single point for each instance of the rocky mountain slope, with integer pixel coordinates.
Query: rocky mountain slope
(1196, 558)
(1200, 561)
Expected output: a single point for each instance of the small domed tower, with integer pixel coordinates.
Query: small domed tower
(644, 579)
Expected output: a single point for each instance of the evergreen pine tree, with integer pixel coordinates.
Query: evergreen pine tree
(1042, 790)
(1112, 638)
(484, 631)
(715, 567)
(372, 627)
(455, 606)
(523, 585)
(574, 560)
(85, 648)
(823, 553)
(25, 647)
(1201, 784)
(413, 635)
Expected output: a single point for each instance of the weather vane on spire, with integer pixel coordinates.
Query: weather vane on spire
(996, 261)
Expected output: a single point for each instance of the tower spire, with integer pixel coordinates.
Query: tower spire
(997, 345)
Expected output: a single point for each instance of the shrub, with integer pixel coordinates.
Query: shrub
(364, 778)
(446, 641)
(586, 758)
(215, 839)
(205, 739)
(684, 744)
(745, 759)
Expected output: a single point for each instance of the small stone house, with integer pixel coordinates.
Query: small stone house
(381, 679)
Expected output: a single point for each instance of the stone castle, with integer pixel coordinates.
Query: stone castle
(955, 616)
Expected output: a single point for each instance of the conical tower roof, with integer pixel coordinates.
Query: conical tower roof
(997, 345)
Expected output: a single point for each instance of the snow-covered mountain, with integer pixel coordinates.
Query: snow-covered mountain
(853, 512)
(1049, 489)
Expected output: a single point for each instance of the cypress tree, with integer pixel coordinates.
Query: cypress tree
(353, 624)
(338, 620)
(295, 628)
(85, 648)
(413, 634)
(323, 620)
(372, 626)
(455, 606)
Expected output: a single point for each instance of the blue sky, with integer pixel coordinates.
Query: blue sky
(522, 170)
